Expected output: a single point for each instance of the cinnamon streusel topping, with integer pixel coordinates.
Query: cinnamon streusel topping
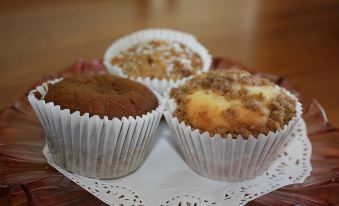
(159, 59)
(233, 101)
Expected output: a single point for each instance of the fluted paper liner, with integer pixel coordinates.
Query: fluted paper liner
(228, 159)
(95, 147)
(159, 85)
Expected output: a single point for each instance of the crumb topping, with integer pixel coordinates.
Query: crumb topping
(233, 101)
(159, 59)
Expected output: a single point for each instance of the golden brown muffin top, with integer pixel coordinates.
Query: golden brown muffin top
(158, 59)
(233, 101)
(103, 95)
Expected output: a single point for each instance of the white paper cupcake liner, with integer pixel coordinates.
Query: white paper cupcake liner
(159, 85)
(95, 147)
(228, 159)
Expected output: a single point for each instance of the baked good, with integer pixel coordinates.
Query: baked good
(162, 59)
(229, 124)
(102, 95)
(158, 58)
(233, 101)
(96, 126)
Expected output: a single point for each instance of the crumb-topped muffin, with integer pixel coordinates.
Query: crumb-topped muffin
(102, 95)
(162, 59)
(158, 58)
(229, 124)
(233, 101)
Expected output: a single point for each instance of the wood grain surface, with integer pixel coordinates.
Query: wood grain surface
(295, 39)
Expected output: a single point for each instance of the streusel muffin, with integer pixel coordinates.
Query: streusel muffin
(159, 58)
(230, 124)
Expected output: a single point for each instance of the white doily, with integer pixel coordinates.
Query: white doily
(164, 179)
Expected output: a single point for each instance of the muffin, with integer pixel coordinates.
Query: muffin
(157, 57)
(97, 126)
(230, 124)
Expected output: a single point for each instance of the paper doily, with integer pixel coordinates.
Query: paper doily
(164, 179)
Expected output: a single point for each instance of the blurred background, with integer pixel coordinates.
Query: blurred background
(295, 39)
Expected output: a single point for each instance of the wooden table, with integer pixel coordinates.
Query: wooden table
(296, 39)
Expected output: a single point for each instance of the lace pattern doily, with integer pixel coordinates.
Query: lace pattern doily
(165, 180)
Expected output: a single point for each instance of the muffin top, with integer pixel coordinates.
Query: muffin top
(158, 59)
(102, 95)
(233, 101)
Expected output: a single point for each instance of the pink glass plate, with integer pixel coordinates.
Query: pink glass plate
(27, 179)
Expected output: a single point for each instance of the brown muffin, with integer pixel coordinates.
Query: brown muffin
(158, 59)
(102, 95)
(233, 101)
